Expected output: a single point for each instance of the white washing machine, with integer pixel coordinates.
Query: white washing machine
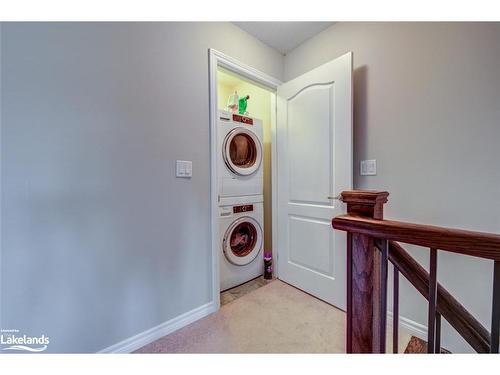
(240, 146)
(241, 242)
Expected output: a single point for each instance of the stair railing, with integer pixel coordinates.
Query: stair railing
(372, 243)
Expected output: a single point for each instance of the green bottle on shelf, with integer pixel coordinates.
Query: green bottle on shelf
(242, 104)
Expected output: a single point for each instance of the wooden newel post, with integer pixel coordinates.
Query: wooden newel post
(363, 275)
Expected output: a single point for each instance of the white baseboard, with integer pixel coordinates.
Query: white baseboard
(411, 326)
(417, 329)
(138, 341)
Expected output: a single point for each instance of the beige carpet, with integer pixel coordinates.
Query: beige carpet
(276, 318)
(239, 291)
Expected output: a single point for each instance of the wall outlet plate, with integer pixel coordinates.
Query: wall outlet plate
(183, 168)
(368, 167)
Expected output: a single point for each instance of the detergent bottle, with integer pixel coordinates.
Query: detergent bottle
(268, 266)
(242, 104)
(232, 102)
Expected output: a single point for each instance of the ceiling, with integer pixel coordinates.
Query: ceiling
(283, 36)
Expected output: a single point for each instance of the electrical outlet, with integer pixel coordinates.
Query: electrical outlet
(368, 167)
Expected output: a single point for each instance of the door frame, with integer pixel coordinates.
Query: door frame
(218, 59)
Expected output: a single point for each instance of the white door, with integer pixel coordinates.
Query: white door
(314, 164)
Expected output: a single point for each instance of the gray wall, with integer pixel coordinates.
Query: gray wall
(100, 240)
(427, 107)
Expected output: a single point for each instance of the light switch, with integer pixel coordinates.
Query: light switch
(183, 168)
(368, 167)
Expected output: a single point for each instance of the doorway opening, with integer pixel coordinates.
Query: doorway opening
(244, 153)
(242, 217)
(310, 163)
(260, 101)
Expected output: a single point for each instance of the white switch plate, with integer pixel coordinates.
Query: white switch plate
(183, 168)
(368, 168)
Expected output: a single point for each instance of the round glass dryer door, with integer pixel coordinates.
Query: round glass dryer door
(242, 151)
(242, 241)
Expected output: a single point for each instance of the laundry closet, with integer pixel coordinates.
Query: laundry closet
(281, 153)
(244, 178)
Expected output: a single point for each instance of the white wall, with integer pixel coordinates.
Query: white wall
(100, 240)
(427, 107)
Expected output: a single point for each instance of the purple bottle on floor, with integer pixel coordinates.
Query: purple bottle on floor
(268, 266)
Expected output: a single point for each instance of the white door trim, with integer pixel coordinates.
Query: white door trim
(218, 59)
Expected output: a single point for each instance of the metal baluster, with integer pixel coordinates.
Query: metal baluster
(431, 330)
(349, 294)
(383, 295)
(395, 312)
(495, 313)
(437, 346)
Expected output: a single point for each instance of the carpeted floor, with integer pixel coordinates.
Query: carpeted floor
(239, 291)
(276, 318)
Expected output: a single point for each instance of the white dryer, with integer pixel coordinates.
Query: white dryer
(241, 242)
(240, 154)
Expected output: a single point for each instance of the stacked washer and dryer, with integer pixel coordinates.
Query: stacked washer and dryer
(240, 189)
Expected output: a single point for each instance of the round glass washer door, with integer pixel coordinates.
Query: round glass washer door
(242, 151)
(242, 241)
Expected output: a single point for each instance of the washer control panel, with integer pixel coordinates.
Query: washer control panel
(225, 212)
(244, 208)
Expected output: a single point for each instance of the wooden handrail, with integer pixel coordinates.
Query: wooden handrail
(459, 318)
(367, 275)
(478, 244)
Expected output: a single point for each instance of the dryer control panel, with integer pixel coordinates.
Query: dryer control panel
(243, 119)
